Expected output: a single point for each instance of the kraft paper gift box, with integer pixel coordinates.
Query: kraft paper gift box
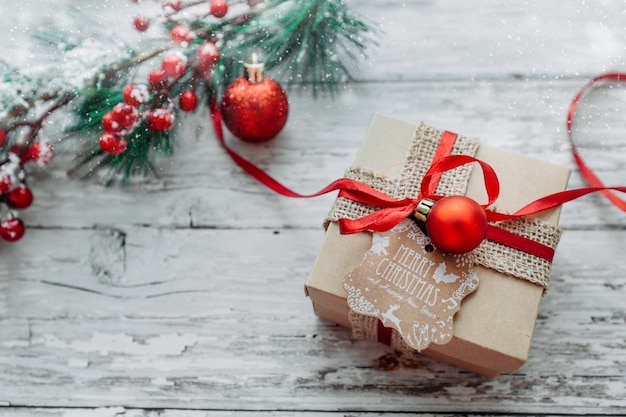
(494, 327)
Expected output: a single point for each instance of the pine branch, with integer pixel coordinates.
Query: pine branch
(306, 43)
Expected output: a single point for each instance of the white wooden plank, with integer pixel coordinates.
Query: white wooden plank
(125, 412)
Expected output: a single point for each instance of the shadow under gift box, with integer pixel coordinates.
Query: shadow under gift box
(493, 330)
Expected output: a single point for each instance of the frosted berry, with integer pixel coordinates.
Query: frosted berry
(126, 115)
(3, 138)
(160, 120)
(110, 124)
(188, 101)
(171, 6)
(208, 55)
(181, 35)
(5, 182)
(12, 229)
(40, 152)
(19, 151)
(219, 8)
(174, 65)
(20, 197)
(141, 22)
(157, 79)
(136, 94)
(112, 143)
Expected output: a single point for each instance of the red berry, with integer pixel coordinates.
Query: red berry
(12, 229)
(208, 56)
(125, 115)
(18, 150)
(160, 120)
(40, 152)
(157, 79)
(112, 143)
(142, 23)
(3, 138)
(110, 124)
(20, 197)
(219, 8)
(136, 94)
(5, 182)
(181, 35)
(188, 101)
(174, 65)
(171, 5)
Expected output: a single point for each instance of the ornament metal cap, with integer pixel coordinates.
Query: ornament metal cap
(423, 208)
(254, 69)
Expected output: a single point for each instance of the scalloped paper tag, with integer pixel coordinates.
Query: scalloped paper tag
(411, 286)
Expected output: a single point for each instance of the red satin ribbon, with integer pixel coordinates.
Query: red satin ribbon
(587, 173)
(393, 211)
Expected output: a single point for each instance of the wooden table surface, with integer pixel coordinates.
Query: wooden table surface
(183, 295)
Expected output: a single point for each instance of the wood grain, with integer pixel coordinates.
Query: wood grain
(182, 295)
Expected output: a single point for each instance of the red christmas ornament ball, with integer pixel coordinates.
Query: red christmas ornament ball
(20, 197)
(255, 111)
(12, 229)
(456, 224)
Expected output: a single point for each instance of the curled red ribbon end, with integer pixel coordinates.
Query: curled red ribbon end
(587, 173)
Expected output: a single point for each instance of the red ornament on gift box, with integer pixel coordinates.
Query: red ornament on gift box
(456, 224)
(255, 107)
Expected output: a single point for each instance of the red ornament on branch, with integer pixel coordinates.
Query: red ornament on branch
(255, 107)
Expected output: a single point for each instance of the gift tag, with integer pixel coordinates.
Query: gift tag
(411, 286)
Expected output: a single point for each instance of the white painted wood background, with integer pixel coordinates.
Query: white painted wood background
(183, 295)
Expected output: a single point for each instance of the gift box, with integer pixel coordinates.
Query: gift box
(493, 329)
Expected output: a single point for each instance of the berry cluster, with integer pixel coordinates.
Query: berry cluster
(151, 106)
(14, 193)
(21, 143)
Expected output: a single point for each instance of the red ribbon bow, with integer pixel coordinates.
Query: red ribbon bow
(394, 211)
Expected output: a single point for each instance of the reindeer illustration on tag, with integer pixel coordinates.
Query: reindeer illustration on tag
(410, 289)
